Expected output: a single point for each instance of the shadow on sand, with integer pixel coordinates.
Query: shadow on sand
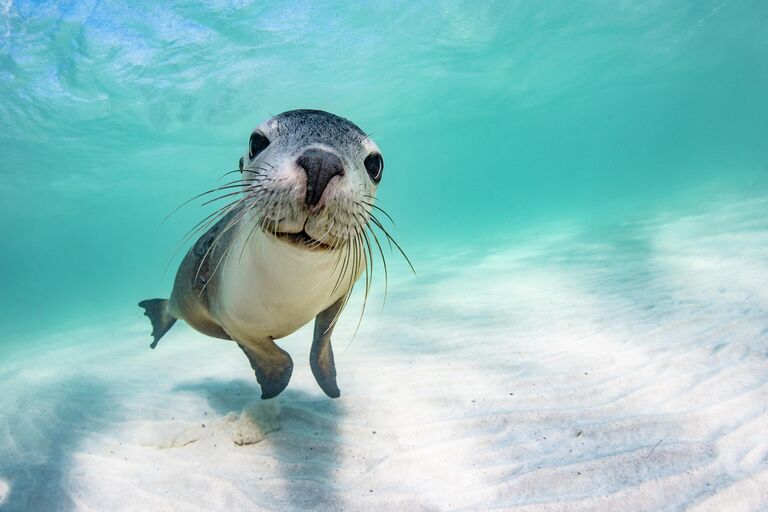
(38, 436)
(306, 443)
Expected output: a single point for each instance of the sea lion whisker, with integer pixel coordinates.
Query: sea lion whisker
(251, 212)
(344, 266)
(377, 223)
(232, 184)
(321, 240)
(360, 254)
(347, 255)
(236, 220)
(376, 207)
(228, 173)
(213, 217)
(215, 268)
(235, 207)
(367, 253)
(384, 264)
(202, 225)
(381, 252)
(212, 247)
(389, 237)
(345, 301)
(219, 198)
(236, 171)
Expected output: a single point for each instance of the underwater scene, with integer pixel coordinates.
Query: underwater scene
(536, 232)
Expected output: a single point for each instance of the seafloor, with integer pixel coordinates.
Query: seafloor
(621, 367)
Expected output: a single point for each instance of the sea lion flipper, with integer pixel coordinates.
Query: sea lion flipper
(162, 320)
(321, 356)
(271, 364)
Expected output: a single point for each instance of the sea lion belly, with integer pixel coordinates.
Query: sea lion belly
(270, 288)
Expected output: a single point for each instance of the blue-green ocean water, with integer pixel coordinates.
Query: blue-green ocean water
(493, 117)
(582, 186)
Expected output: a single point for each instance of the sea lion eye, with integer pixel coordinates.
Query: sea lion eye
(258, 144)
(374, 164)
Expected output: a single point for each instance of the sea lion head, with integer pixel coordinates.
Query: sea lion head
(311, 178)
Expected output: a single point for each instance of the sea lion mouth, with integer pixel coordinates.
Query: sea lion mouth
(302, 240)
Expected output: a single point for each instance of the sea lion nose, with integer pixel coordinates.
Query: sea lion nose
(320, 167)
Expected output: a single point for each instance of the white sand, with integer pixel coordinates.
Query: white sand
(625, 369)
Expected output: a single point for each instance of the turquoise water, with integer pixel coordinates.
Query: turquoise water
(492, 117)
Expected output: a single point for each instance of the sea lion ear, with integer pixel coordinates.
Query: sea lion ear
(241, 164)
(321, 356)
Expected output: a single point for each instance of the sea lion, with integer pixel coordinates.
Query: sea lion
(287, 249)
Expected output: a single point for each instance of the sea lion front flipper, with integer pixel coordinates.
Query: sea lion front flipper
(271, 364)
(321, 355)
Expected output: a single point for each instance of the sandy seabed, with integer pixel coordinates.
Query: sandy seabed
(621, 368)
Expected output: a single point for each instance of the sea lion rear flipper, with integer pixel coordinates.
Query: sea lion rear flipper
(321, 356)
(162, 320)
(271, 364)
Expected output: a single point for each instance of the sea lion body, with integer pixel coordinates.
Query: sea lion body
(268, 289)
(277, 288)
(287, 250)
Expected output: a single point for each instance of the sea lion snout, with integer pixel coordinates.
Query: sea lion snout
(320, 166)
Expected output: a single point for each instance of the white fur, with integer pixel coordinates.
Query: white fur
(270, 288)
